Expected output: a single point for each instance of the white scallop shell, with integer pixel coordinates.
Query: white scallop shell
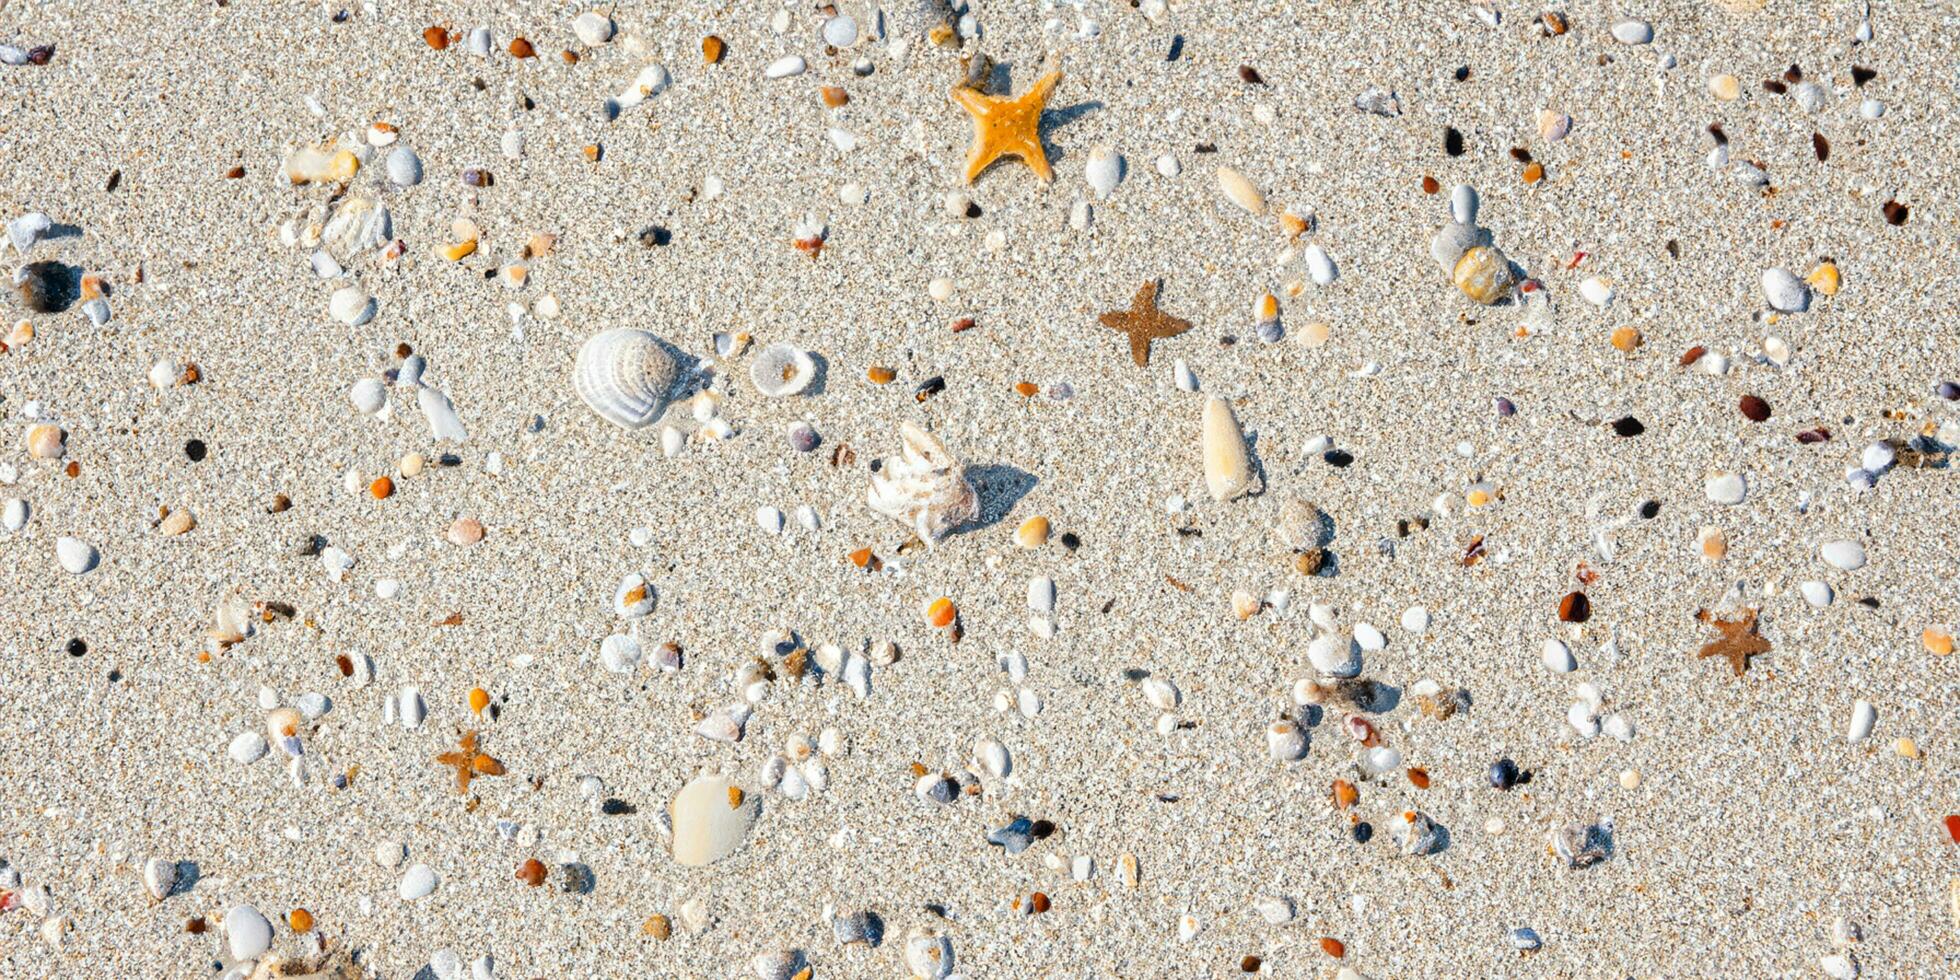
(782, 370)
(923, 487)
(624, 375)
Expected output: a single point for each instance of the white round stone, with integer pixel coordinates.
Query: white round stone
(75, 555)
(1415, 619)
(1816, 593)
(1633, 31)
(620, 654)
(1862, 719)
(1844, 555)
(404, 167)
(1369, 638)
(368, 396)
(417, 882)
(1784, 291)
(592, 28)
(840, 31)
(1558, 658)
(351, 306)
(247, 748)
(247, 933)
(1334, 655)
(1727, 488)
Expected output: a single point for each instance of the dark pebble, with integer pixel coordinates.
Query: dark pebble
(1503, 774)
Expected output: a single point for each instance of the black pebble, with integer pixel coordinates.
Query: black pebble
(195, 450)
(1503, 774)
(1650, 509)
(1452, 142)
(1626, 427)
(1338, 457)
(77, 647)
(1363, 832)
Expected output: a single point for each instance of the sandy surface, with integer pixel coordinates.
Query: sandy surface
(1754, 824)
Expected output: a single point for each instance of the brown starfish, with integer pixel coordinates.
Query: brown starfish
(1144, 322)
(469, 763)
(1739, 640)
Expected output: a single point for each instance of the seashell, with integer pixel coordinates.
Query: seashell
(624, 375)
(27, 229)
(1415, 833)
(1103, 171)
(1320, 265)
(320, 165)
(351, 305)
(769, 519)
(816, 774)
(1582, 845)
(781, 370)
(440, 414)
(1454, 239)
(928, 954)
(924, 487)
(862, 926)
(1558, 657)
(410, 708)
(634, 598)
(1784, 291)
(1033, 532)
(159, 877)
(710, 817)
(1484, 274)
(1300, 526)
(76, 556)
(806, 517)
(246, 748)
(651, 81)
(992, 757)
(1552, 126)
(418, 882)
(1285, 742)
(592, 28)
(45, 287)
(282, 724)
(44, 441)
(1228, 467)
(620, 654)
(13, 515)
(1847, 556)
(1334, 655)
(778, 965)
(724, 724)
(1240, 191)
(1161, 694)
(1041, 594)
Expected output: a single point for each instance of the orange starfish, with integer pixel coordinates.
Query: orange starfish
(469, 763)
(1007, 127)
(1739, 640)
(1144, 322)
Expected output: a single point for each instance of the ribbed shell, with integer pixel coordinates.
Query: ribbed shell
(624, 375)
(923, 487)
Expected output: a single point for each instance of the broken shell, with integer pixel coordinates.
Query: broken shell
(862, 926)
(781, 370)
(159, 877)
(710, 816)
(651, 81)
(928, 955)
(923, 487)
(634, 597)
(1415, 833)
(1228, 467)
(359, 223)
(1161, 694)
(351, 305)
(1033, 532)
(45, 441)
(1240, 191)
(1285, 742)
(1334, 655)
(1300, 526)
(1484, 274)
(724, 724)
(320, 165)
(624, 375)
(992, 757)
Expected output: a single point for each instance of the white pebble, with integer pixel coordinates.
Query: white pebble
(620, 654)
(1862, 719)
(769, 519)
(13, 515)
(592, 28)
(247, 748)
(76, 556)
(1633, 31)
(784, 67)
(1816, 593)
(1334, 655)
(1320, 265)
(404, 167)
(1168, 166)
(247, 933)
(1784, 291)
(409, 707)
(1727, 488)
(1877, 457)
(1847, 556)
(417, 882)
(351, 306)
(1558, 658)
(368, 396)
(1041, 594)
(1583, 719)
(1596, 291)
(1369, 638)
(1161, 694)
(840, 31)
(1415, 619)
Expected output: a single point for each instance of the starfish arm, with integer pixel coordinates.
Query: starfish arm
(1146, 297)
(1043, 88)
(1140, 348)
(978, 158)
(1031, 153)
(972, 100)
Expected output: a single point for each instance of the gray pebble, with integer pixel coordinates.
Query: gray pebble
(404, 167)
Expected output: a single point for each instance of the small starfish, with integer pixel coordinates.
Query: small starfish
(1007, 127)
(1144, 322)
(1739, 640)
(469, 763)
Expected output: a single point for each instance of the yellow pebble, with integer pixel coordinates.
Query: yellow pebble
(1907, 748)
(1938, 642)
(1824, 278)
(411, 464)
(1630, 779)
(459, 251)
(1727, 88)
(1033, 532)
(1714, 545)
(479, 700)
(1625, 339)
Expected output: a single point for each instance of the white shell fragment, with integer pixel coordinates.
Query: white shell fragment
(651, 81)
(1103, 171)
(159, 877)
(247, 933)
(1863, 716)
(77, 557)
(781, 370)
(923, 487)
(711, 816)
(1228, 467)
(784, 67)
(1846, 556)
(1334, 655)
(624, 375)
(351, 305)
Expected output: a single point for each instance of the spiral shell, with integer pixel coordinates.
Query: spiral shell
(624, 375)
(923, 487)
(782, 370)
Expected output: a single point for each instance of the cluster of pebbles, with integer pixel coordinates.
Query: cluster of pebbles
(786, 744)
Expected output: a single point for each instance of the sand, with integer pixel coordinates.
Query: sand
(1753, 825)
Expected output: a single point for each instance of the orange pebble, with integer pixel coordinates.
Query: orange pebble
(521, 48)
(300, 919)
(1345, 795)
(479, 700)
(436, 38)
(1534, 172)
(941, 612)
(881, 375)
(1939, 643)
(711, 49)
(1026, 389)
(531, 872)
(1333, 947)
(382, 488)
(1625, 339)
(1419, 778)
(833, 96)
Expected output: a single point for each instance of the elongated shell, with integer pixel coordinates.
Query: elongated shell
(624, 375)
(782, 370)
(711, 816)
(1228, 468)
(1240, 191)
(923, 487)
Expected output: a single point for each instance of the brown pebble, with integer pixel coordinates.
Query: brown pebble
(711, 51)
(1896, 213)
(465, 531)
(1430, 185)
(1754, 409)
(436, 37)
(235, 172)
(881, 375)
(1333, 947)
(521, 48)
(1575, 608)
(834, 96)
(532, 873)
(1692, 355)
(657, 926)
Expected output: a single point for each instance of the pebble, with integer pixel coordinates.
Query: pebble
(769, 519)
(1524, 938)
(351, 306)
(417, 882)
(1846, 556)
(1558, 658)
(247, 748)
(1415, 619)
(247, 933)
(784, 67)
(592, 28)
(1103, 170)
(76, 556)
(1334, 655)
(404, 167)
(1632, 31)
(1784, 291)
(368, 395)
(1816, 593)
(1240, 191)
(1862, 718)
(1727, 88)
(1727, 488)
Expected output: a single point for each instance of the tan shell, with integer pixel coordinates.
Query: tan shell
(711, 818)
(1228, 467)
(1240, 191)
(1484, 274)
(624, 375)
